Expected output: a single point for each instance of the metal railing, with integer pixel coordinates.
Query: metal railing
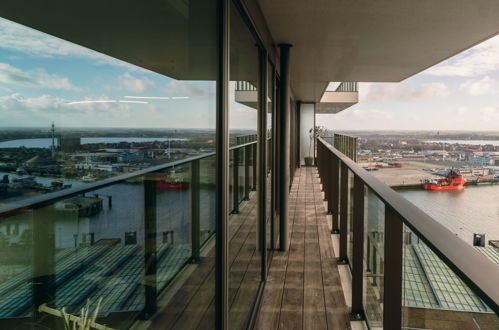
(190, 198)
(245, 86)
(375, 224)
(346, 144)
(347, 86)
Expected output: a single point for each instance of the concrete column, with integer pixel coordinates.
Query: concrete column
(283, 143)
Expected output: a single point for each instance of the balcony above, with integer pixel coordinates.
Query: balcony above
(246, 93)
(343, 97)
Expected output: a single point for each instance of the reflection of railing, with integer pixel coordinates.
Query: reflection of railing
(348, 86)
(245, 86)
(374, 240)
(346, 144)
(161, 218)
(242, 139)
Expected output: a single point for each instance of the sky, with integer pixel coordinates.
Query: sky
(45, 79)
(461, 93)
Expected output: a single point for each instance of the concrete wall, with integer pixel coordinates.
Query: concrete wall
(307, 121)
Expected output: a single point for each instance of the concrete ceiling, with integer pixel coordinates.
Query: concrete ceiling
(333, 40)
(373, 40)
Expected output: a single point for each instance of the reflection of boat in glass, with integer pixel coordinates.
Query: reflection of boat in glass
(86, 206)
(25, 182)
(88, 178)
(453, 181)
(171, 181)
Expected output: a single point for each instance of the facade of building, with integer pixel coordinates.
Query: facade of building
(190, 244)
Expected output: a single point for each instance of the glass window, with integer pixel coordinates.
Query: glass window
(72, 117)
(244, 253)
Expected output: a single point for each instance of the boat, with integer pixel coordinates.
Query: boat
(452, 181)
(163, 184)
(171, 181)
(88, 178)
(25, 182)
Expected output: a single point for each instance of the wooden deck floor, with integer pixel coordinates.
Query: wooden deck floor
(192, 305)
(303, 290)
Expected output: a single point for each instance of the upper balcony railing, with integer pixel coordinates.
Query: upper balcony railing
(245, 86)
(119, 242)
(348, 86)
(408, 270)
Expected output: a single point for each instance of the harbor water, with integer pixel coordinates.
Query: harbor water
(472, 210)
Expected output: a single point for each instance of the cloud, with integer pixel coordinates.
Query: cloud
(401, 92)
(36, 79)
(490, 114)
(130, 83)
(363, 115)
(20, 38)
(189, 88)
(50, 107)
(475, 61)
(484, 86)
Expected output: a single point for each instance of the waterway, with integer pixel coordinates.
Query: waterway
(467, 142)
(47, 142)
(472, 210)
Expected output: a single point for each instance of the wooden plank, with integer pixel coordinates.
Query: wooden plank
(314, 311)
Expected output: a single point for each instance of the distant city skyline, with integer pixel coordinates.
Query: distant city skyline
(45, 79)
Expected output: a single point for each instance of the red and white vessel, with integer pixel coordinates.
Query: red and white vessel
(453, 181)
(171, 181)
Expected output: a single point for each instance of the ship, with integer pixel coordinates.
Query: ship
(88, 178)
(171, 181)
(452, 181)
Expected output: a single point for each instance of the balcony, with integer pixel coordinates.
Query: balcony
(345, 95)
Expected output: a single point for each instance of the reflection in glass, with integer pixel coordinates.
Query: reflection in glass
(374, 228)
(77, 117)
(434, 297)
(350, 217)
(244, 254)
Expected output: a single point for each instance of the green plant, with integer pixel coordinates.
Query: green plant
(314, 133)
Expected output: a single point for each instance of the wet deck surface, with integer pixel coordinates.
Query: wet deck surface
(303, 290)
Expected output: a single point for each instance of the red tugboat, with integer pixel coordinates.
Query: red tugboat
(453, 181)
(171, 181)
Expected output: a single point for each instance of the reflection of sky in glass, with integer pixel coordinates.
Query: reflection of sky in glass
(45, 79)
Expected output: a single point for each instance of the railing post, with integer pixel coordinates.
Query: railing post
(150, 259)
(328, 174)
(235, 181)
(247, 154)
(43, 252)
(355, 150)
(195, 212)
(334, 196)
(392, 291)
(357, 261)
(253, 162)
(343, 256)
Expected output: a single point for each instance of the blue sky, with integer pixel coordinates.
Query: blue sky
(461, 93)
(45, 79)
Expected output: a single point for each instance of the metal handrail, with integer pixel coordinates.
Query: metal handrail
(476, 270)
(44, 200)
